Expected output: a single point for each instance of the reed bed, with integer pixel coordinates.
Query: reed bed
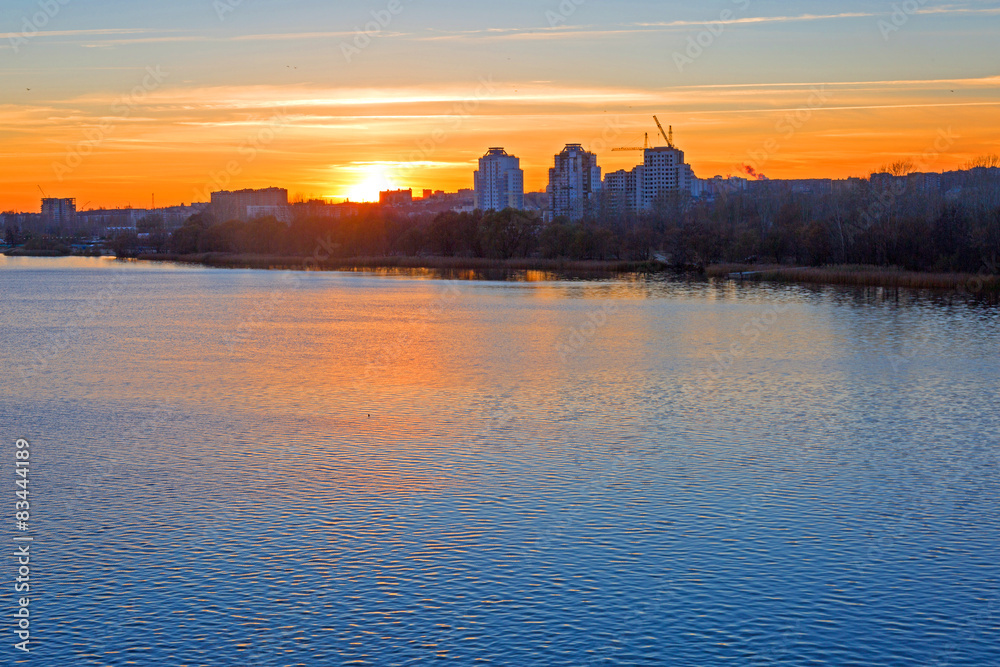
(863, 276)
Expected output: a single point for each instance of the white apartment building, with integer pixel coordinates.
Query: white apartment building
(499, 181)
(664, 171)
(574, 183)
(623, 189)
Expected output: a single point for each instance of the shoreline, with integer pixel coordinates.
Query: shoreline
(459, 264)
(21, 252)
(480, 267)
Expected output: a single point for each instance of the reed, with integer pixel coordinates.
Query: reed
(865, 276)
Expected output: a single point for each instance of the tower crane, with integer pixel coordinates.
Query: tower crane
(668, 136)
(634, 148)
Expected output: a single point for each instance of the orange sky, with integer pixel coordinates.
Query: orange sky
(114, 129)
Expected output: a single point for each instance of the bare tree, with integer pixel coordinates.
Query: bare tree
(984, 161)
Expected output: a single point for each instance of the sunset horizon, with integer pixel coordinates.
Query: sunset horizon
(344, 102)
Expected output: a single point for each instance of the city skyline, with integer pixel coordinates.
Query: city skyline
(332, 113)
(625, 187)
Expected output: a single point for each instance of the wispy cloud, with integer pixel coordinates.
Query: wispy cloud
(846, 108)
(763, 19)
(82, 33)
(267, 97)
(565, 32)
(270, 37)
(107, 43)
(486, 34)
(959, 10)
(987, 81)
(88, 41)
(594, 31)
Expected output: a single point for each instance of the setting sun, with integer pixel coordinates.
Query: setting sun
(370, 179)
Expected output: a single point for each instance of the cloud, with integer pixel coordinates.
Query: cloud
(80, 33)
(987, 81)
(267, 37)
(566, 32)
(269, 97)
(593, 31)
(847, 108)
(106, 43)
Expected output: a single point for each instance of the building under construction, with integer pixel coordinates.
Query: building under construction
(59, 212)
(663, 172)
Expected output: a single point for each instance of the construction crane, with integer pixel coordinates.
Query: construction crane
(42, 191)
(634, 148)
(668, 136)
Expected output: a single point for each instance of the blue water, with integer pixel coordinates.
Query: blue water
(271, 468)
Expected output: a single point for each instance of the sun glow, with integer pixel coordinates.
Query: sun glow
(371, 180)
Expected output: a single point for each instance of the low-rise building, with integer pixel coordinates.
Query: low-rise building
(396, 197)
(246, 205)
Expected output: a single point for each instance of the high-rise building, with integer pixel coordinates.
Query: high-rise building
(59, 212)
(623, 190)
(664, 172)
(246, 205)
(574, 183)
(499, 181)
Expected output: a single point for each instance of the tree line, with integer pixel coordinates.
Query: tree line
(894, 221)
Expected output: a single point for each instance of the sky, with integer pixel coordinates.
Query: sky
(118, 102)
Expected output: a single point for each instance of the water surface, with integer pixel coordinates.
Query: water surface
(272, 468)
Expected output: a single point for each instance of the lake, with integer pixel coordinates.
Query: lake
(260, 468)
